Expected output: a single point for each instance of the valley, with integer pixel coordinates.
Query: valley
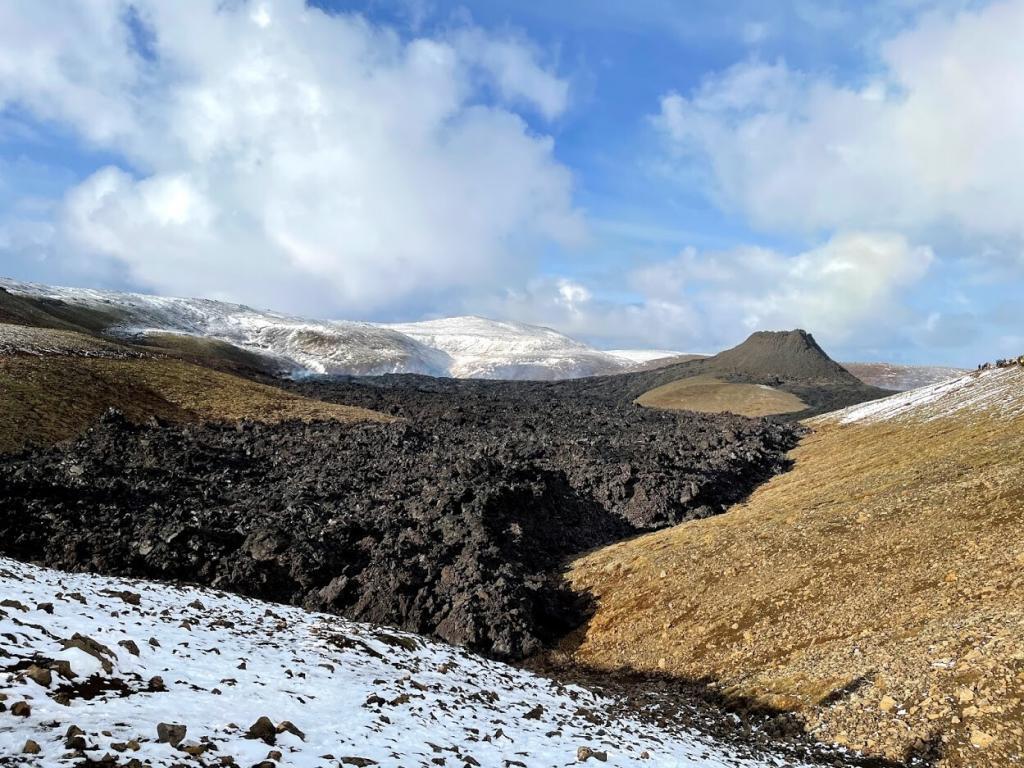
(709, 543)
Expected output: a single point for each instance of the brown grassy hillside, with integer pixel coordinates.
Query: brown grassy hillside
(55, 384)
(707, 394)
(877, 589)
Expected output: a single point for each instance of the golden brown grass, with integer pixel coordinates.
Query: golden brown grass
(877, 588)
(47, 399)
(710, 395)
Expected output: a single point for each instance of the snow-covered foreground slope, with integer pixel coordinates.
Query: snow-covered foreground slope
(998, 392)
(98, 664)
(462, 347)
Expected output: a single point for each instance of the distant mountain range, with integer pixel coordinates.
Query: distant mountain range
(457, 347)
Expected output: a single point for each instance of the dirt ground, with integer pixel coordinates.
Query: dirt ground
(877, 589)
(707, 394)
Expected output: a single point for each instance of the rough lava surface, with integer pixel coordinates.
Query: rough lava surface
(453, 524)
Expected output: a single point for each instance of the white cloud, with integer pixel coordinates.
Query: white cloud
(515, 70)
(845, 291)
(936, 139)
(289, 157)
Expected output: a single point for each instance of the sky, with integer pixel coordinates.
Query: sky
(635, 173)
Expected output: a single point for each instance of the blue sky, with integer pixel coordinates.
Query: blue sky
(637, 174)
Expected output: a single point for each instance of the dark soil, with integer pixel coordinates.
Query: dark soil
(453, 524)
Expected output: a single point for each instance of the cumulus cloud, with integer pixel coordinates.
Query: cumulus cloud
(287, 156)
(931, 140)
(841, 290)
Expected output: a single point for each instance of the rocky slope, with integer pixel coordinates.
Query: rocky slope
(876, 589)
(110, 672)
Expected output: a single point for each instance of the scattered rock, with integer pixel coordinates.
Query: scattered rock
(95, 649)
(171, 733)
(359, 762)
(21, 709)
(130, 646)
(585, 753)
(981, 740)
(40, 675)
(264, 730)
(31, 748)
(287, 725)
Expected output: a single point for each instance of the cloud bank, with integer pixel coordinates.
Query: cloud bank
(930, 138)
(285, 156)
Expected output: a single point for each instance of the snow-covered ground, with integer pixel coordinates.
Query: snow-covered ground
(463, 347)
(999, 392)
(901, 378)
(108, 660)
(642, 355)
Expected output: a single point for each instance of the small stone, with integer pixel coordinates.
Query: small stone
(156, 684)
(359, 762)
(31, 748)
(981, 740)
(171, 733)
(130, 646)
(887, 704)
(21, 709)
(585, 753)
(274, 755)
(39, 675)
(264, 730)
(289, 726)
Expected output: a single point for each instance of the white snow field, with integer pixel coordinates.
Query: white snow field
(334, 692)
(461, 347)
(996, 392)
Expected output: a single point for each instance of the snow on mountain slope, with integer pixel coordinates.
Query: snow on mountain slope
(490, 349)
(642, 355)
(998, 392)
(463, 347)
(95, 665)
(297, 344)
(900, 378)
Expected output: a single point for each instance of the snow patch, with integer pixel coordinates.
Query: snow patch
(349, 690)
(998, 392)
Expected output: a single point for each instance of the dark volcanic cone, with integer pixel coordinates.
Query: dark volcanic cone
(786, 355)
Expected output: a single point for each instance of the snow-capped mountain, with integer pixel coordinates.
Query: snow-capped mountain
(490, 349)
(462, 347)
(997, 392)
(166, 675)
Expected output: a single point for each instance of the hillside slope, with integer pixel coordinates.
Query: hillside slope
(92, 666)
(56, 384)
(877, 588)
